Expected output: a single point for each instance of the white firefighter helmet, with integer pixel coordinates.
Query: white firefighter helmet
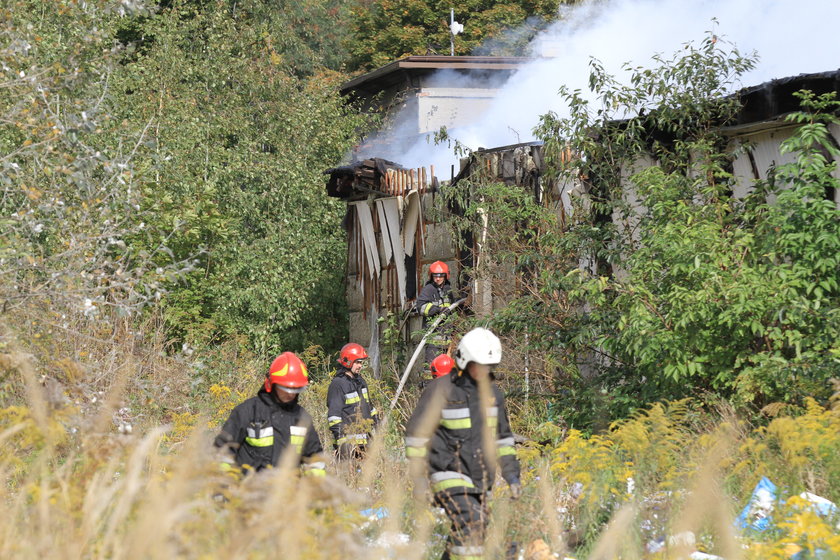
(480, 346)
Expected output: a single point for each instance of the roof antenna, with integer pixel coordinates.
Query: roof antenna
(454, 28)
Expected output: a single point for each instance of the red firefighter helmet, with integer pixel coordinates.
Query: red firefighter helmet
(351, 352)
(288, 371)
(439, 267)
(441, 365)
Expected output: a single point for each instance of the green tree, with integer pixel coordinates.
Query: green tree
(239, 145)
(181, 163)
(691, 290)
(386, 30)
(70, 172)
(306, 36)
(663, 285)
(309, 36)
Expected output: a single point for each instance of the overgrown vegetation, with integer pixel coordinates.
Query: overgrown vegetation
(164, 234)
(662, 285)
(76, 487)
(182, 170)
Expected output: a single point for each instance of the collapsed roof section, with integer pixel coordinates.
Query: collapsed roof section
(522, 165)
(514, 164)
(377, 177)
(390, 242)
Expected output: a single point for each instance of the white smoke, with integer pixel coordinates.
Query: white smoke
(791, 37)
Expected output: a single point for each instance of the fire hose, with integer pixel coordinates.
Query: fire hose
(417, 351)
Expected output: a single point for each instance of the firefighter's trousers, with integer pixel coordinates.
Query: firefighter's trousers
(469, 516)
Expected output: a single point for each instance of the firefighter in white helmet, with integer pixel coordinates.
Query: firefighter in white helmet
(458, 435)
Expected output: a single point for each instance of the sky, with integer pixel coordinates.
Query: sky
(791, 37)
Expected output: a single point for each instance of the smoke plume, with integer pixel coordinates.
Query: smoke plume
(790, 36)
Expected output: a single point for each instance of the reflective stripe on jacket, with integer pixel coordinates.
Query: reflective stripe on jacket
(261, 429)
(431, 301)
(348, 406)
(446, 434)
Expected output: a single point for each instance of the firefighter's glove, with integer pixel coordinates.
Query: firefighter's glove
(445, 311)
(515, 491)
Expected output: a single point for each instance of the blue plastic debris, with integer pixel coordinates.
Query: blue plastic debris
(374, 514)
(756, 514)
(819, 505)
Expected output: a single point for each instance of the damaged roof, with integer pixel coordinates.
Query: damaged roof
(401, 71)
(775, 98)
(359, 178)
(378, 177)
(761, 104)
(507, 171)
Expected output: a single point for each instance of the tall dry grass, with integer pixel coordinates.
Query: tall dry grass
(105, 452)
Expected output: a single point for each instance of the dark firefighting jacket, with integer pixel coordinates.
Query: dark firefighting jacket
(350, 414)
(261, 429)
(430, 303)
(446, 435)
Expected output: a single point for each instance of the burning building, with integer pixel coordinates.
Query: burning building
(394, 234)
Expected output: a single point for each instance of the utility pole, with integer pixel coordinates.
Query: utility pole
(454, 29)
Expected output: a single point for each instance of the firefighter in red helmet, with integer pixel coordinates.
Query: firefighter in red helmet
(264, 427)
(436, 297)
(441, 366)
(350, 413)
